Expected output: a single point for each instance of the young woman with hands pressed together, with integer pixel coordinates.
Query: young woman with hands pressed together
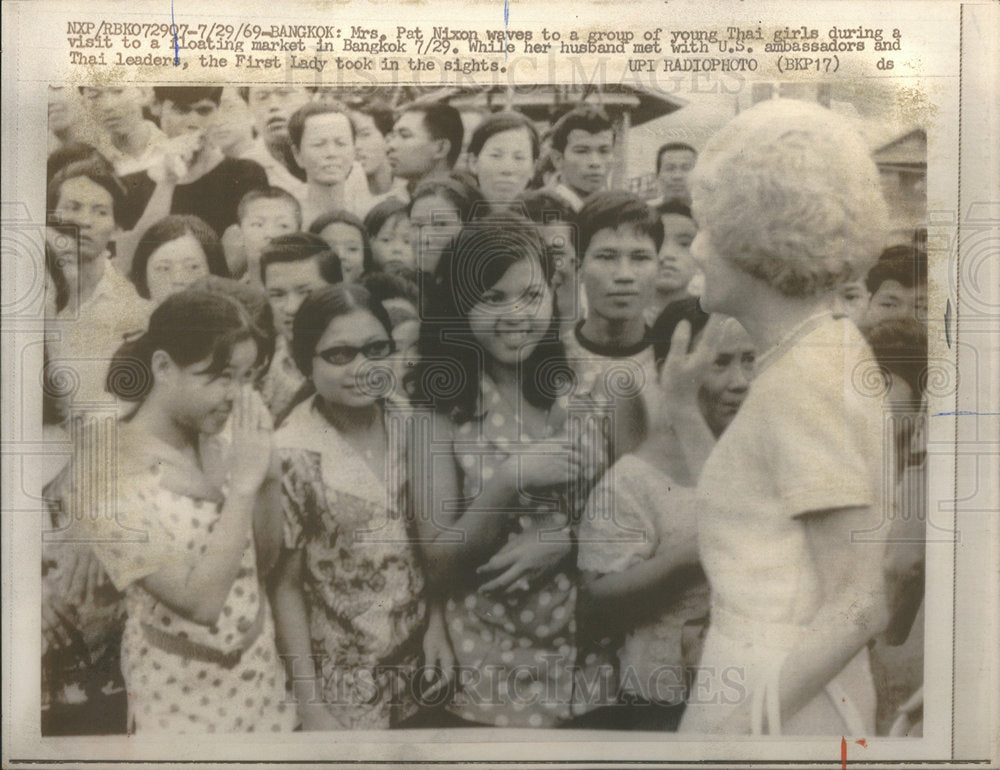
(198, 652)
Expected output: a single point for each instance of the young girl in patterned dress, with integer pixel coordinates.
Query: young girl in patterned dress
(349, 593)
(177, 536)
(493, 501)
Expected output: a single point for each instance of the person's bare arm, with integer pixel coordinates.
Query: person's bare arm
(853, 609)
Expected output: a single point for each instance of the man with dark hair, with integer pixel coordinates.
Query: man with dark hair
(272, 106)
(898, 286)
(425, 142)
(556, 223)
(899, 346)
(583, 144)
(94, 304)
(124, 136)
(236, 135)
(674, 161)
(677, 267)
(194, 177)
(290, 267)
(619, 239)
(372, 125)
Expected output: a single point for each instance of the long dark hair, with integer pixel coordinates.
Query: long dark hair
(189, 326)
(449, 373)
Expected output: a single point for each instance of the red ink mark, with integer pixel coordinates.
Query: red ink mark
(862, 743)
(843, 752)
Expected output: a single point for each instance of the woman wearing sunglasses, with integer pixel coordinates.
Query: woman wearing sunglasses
(349, 592)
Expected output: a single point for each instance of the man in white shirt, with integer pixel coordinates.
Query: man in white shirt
(96, 306)
(583, 144)
(122, 134)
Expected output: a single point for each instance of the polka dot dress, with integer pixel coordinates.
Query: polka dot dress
(517, 652)
(182, 676)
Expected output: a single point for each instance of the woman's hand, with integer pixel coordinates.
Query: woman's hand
(439, 656)
(251, 456)
(524, 560)
(683, 372)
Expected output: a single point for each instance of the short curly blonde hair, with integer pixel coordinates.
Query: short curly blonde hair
(790, 193)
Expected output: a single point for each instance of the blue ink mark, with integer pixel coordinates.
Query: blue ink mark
(173, 26)
(506, 23)
(966, 414)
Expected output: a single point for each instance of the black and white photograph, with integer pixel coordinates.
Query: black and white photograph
(619, 408)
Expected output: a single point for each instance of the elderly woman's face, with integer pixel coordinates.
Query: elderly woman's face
(724, 282)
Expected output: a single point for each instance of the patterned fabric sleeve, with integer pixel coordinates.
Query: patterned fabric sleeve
(135, 541)
(301, 493)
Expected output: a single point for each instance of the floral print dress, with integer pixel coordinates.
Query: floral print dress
(363, 586)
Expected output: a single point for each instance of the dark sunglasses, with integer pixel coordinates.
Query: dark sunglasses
(341, 355)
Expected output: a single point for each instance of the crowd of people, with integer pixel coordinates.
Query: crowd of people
(379, 422)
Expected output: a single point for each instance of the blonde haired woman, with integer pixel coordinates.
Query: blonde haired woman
(788, 207)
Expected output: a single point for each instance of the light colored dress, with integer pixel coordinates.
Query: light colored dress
(182, 676)
(519, 650)
(363, 586)
(634, 512)
(807, 439)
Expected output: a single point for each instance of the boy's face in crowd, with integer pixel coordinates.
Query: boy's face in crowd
(271, 109)
(675, 165)
(369, 145)
(88, 207)
(179, 119)
(117, 110)
(233, 124)
(287, 285)
(412, 150)
(618, 271)
(347, 241)
(264, 220)
(726, 382)
(676, 265)
(327, 150)
(852, 300)
(61, 108)
(434, 221)
(893, 300)
(585, 163)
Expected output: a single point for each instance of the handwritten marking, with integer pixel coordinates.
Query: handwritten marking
(843, 752)
(966, 414)
(862, 743)
(173, 24)
(506, 23)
